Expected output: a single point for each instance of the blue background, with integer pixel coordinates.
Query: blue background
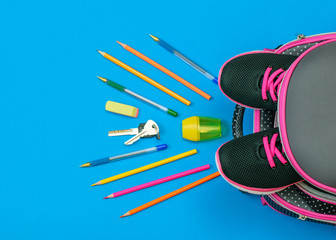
(53, 117)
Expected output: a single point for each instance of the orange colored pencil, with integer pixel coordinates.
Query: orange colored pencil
(165, 70)
(145, 78)
(171, 194)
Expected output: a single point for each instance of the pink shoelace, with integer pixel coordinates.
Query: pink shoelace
(272, 151)
(269, 84)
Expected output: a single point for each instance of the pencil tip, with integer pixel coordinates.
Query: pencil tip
(85, 165)
(97, 183)
(155, 38)
(102, 53)
(122, 44)
(103, 79)
(125, 215)
(109, 196)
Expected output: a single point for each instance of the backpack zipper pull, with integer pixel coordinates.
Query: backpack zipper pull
(303, 218)
(300, 36)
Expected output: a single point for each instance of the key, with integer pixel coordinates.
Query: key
(135, 131)
(141, 127)
(131, 131)
(150, 129)
(153, 130)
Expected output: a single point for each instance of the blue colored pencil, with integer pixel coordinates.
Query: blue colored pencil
(185, 59)
(126, 155)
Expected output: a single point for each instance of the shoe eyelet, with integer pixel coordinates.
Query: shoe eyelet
(259, 85)
(273, 167)
(285, 164)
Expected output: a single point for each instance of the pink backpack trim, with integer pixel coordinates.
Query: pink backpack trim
(282, 121)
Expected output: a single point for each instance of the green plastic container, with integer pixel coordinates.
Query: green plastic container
(201, 128)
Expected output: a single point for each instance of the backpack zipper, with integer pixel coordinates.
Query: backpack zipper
(279, 208)
(309, 215)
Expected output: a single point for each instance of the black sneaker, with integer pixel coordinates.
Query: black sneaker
(252, 79)
(256, 163)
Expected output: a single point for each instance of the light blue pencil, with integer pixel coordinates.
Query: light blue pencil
(185, 59)
(126, 155)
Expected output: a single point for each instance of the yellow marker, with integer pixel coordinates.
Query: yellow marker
(146, 167)
(122, 109)
(145, 78)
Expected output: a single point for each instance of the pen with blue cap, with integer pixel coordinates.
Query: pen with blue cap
(126, 155)
(184, 59)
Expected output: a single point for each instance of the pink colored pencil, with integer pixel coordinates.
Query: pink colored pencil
(158, 181)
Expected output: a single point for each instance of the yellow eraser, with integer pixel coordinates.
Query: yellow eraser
(122, 109)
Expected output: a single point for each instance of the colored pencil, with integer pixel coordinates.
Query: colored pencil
(138, 96)
(165, 70)
(145, 78)
(146, 167)
(126, 155)
(158, 181)
(184, 59)
(171, 194)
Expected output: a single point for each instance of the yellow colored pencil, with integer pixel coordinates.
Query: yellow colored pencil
(165, 70)
(146, 167)
(145, 78)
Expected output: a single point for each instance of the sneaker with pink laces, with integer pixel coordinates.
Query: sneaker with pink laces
(253, 79)
(256, 163)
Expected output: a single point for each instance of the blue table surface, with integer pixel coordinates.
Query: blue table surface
(53, 117)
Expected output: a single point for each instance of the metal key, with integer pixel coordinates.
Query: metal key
(149, 129)
(131, 131)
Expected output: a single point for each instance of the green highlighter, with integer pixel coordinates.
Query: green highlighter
(123, 89)
(201, 128)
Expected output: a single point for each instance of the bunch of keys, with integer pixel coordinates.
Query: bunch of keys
(144, 130)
